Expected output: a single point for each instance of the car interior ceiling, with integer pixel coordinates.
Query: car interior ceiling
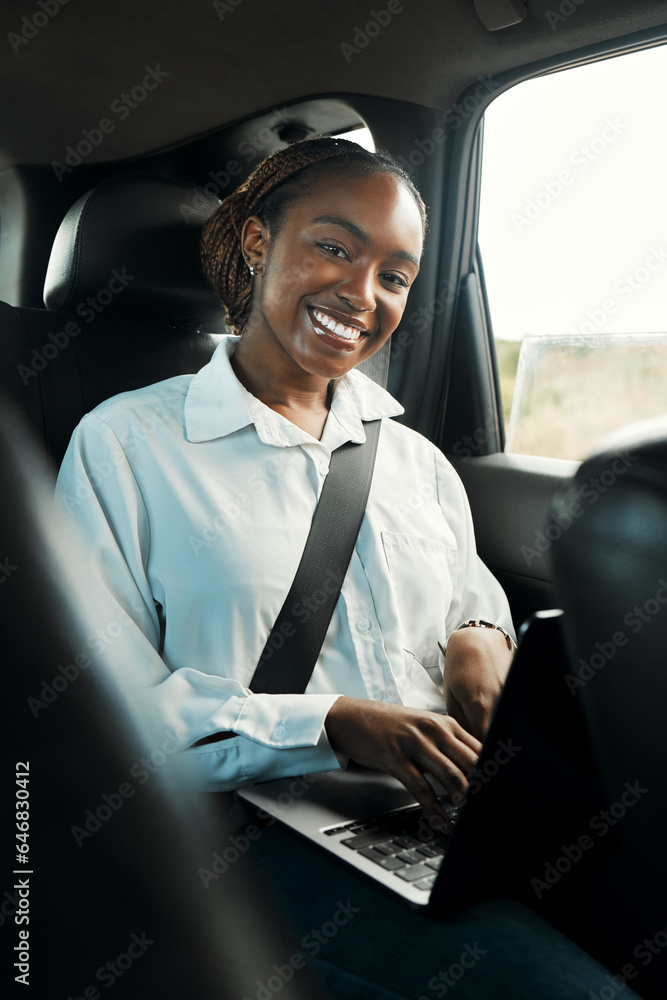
(210, 103)
(259, 76)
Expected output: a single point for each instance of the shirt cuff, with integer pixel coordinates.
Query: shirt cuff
(283, 720)
(232, 763)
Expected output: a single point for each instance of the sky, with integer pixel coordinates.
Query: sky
(573, 219)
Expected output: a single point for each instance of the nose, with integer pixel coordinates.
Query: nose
(358, 289)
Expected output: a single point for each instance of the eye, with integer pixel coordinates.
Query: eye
(334, 250)
(399, 280)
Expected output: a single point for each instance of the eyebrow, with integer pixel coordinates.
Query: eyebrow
(362, 236)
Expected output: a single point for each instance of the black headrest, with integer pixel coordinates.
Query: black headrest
(644, 442)
(610, 566)
(130, 246)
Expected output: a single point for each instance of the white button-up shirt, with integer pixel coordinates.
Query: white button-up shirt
(195, 500)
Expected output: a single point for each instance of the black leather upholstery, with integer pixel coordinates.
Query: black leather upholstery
(139, 234)
(114, 847)
(128, 305)
(611, 570)
(116, 844)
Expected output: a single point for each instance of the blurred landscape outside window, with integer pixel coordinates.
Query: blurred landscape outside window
(573, 235)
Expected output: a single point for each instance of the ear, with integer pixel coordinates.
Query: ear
(254, 241)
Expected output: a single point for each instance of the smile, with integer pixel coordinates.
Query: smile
(350, 333)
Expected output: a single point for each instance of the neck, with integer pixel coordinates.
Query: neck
(272, 376)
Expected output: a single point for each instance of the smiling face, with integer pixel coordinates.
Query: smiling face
(331, 285)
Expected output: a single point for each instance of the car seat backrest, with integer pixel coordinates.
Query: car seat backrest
(610, 564)
(117, 842)
(126, 304)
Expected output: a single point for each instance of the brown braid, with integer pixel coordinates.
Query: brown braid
(265, 193)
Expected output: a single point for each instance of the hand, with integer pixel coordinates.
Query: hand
(406, 743)
(476, 666)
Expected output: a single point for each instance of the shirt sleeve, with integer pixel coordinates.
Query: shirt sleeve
(477, 593)
(277, 735)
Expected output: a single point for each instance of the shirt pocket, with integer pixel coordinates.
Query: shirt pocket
(423, 574)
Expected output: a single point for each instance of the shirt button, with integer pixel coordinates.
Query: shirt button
(364, 625)
(280, 732)
(324, 468)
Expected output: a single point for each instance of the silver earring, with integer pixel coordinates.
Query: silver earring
(250, 267)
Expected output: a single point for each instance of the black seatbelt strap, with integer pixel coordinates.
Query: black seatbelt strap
(291, 651)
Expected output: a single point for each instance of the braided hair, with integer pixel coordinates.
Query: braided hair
(273, 184)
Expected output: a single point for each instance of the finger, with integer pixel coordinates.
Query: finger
(422, 791)
(458, 745)
(438, 763)
(464, 736)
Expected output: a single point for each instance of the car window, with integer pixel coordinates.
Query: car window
(362, 136)
(573, 235)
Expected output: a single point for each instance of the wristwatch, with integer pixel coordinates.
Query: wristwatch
(480, 623)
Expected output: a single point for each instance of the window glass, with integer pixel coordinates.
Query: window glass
(573, 234)
(362, 136)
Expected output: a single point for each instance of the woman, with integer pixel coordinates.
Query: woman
(200, 529)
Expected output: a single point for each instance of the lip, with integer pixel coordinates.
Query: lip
(329, 337)
(342, 317)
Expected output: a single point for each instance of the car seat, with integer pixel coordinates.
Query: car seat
(610, 564)
(126, 304)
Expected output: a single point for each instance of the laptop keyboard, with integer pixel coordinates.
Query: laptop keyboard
(405, 842)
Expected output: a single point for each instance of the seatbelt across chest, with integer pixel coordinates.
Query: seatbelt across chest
(291, 651)
(292, 648)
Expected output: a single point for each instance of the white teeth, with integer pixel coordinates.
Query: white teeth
(346, 332)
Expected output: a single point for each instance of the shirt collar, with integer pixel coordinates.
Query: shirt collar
(217, 404)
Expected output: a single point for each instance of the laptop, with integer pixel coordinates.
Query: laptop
(368, 820)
